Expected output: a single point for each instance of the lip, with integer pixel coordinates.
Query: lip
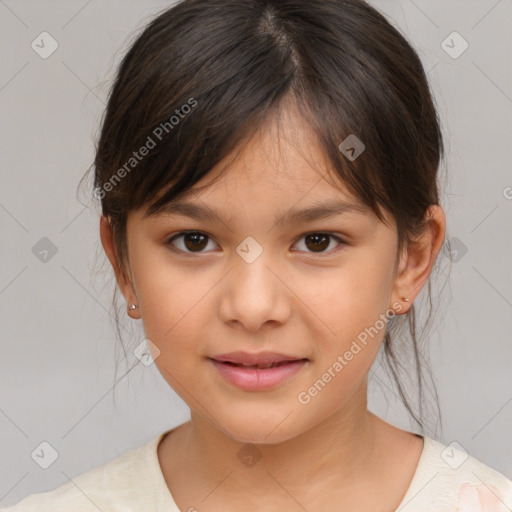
(254, 358)
(257, 379)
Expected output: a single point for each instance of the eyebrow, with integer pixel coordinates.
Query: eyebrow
(317, 211)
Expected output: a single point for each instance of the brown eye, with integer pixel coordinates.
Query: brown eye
(319, 242)
(195, 241)
(191, 241)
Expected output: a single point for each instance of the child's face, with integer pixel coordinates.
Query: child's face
(328, 303)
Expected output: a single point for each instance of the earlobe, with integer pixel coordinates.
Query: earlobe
(417, 262)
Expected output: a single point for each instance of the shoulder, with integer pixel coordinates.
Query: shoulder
(450, 479)
(122, 484)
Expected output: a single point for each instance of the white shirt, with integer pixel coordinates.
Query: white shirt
(133, 482)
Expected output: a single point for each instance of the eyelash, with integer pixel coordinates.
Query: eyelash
(182, 233)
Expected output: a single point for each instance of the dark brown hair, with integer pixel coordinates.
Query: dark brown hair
(204, 75)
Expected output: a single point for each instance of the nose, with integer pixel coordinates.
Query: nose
(254, 295)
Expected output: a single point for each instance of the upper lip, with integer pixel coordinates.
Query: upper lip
(249, 358)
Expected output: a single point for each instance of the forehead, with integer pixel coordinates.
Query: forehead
(281, 162)
(281, 170)
(284, 152)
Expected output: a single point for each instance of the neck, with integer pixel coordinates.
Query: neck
(339, 448)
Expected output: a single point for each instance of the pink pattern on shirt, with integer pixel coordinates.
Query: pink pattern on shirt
(480, 498)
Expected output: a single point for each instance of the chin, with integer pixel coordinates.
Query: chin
(261, 429)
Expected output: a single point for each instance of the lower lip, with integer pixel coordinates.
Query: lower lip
(258, 379)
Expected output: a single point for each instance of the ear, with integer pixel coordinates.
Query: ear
(416, 262)
(123, 280)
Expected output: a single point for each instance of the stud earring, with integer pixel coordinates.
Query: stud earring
(406, 299)
(132, 306)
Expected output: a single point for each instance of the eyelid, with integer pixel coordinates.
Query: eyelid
(341, 241)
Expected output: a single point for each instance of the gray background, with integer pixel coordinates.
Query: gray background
(57, 377)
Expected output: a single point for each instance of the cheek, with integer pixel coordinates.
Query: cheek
(344, 301)
(176, 312)
(350, 307)
(165, 292)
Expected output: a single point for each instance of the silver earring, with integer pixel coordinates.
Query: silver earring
(406, 299)
(132, 306)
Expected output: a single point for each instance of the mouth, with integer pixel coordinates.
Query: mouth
(258, 359)
(257, 372)
(260, 366)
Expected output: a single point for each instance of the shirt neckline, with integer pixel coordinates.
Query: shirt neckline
(419, 472)
(165, 499)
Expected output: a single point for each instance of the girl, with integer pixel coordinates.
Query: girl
(267, 171)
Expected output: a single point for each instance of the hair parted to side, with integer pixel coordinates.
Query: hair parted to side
(204, 75)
